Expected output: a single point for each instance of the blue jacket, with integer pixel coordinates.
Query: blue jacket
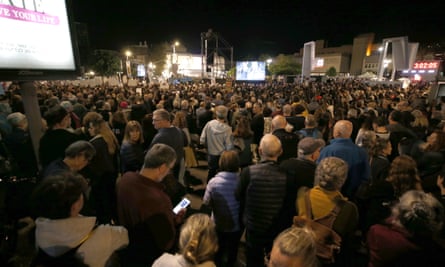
(356, 158)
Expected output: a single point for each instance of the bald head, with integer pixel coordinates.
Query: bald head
(270, 147)
(279, 122)
(343, 129)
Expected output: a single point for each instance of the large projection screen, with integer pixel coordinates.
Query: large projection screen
(250, 71)
(37, 40)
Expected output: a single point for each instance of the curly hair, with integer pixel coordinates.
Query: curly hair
(419, 213)
(403, 175)
(331, 173)
(439, 143)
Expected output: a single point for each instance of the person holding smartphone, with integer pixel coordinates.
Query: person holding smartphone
(146, 210)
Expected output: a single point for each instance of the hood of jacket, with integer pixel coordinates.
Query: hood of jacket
(56, 237)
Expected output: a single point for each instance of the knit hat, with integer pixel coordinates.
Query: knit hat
(309, 145)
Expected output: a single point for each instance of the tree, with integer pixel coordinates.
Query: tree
(106, 62)
(285, 65)
(231, 72)
(331, 72)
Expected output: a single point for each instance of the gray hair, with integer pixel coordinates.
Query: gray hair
(80, 148)
(159, 154)
(270, 146)
(163, 114)
(419, 212)
(221, 112)
(331, 173)
(298, 242)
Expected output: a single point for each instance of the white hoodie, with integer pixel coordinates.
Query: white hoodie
(56, 237)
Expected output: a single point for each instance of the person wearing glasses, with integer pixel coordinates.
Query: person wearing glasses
(171, 136)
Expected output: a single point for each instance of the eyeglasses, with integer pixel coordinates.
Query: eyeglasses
(156, 120)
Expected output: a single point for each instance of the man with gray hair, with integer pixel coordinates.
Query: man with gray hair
(341, 146)
(146, 210)
(302, 169)
(171, 136)
(217, 137)
(265, 200)
(77, 156)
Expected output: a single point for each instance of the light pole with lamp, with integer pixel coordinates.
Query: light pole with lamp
(128, 63)
(268, 61)
(174, 62)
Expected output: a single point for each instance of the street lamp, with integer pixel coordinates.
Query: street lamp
(174, 45)
(268, 61)
(128, 63)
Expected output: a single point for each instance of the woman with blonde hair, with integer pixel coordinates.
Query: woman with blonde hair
(198, 244)
(132, 149)
(103, 168)
(420, 124)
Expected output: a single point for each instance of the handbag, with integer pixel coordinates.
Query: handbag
(328, 242)
(190, 159)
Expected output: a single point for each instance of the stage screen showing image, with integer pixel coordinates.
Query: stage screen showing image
(250, 71)
(36, 38)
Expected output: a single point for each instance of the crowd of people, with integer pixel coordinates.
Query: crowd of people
(112, 163)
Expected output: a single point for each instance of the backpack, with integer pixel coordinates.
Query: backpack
(328, 242)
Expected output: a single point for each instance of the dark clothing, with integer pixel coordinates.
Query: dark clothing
(355, 127)
(202, 118)
(131, 156)
(396, 133)
(257, 126)
(302, 170)
(146, 211)
(228, 243)
(102, 171)
(55, 167)
(296, 121)
(19, 146)
(379, 168)
(391, 245)
(289, 144)
(175, 138)
(265, 200)
(381, 199)
(119, 131)
(53, 144)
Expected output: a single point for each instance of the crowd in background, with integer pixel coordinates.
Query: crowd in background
(378, 147)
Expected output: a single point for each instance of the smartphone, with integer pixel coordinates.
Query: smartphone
(184, 203)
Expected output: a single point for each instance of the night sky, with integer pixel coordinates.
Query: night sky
(257, 27)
